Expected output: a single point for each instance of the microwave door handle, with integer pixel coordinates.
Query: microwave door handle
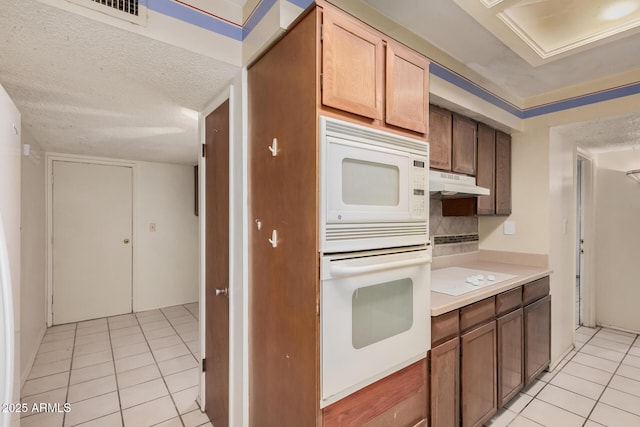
(341, 270)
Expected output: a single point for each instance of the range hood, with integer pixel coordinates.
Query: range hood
(445, 185)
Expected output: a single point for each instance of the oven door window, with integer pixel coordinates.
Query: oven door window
(381, 311)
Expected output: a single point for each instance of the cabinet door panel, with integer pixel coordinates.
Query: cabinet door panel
(464, 145)
(486, 176)
(445, 384)
(478, 380)
(407, 87)
(440, 138)
(537, 333)
(510, 355)
(503, 174)
(398, 399)
(352, 66)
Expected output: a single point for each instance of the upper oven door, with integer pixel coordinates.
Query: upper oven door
(375, 318)
(371, 176)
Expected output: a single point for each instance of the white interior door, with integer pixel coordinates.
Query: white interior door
(92, 247)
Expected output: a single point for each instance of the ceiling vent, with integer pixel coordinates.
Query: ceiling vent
(129, 10)
(126, 6)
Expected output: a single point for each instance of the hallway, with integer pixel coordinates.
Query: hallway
(137, 370)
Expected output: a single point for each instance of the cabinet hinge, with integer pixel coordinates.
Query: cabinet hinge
(204, 150)
(321, 81)
(321, 32)
(204, 364)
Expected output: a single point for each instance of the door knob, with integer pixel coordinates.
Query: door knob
(126, 241)
(223, 292)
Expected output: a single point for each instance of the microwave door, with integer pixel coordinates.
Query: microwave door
(366, 183)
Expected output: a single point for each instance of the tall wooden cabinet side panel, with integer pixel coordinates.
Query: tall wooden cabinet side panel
(440, 138)
(478, 380)
(486, 173)
(283, 280)
(537, 332)
(503, 173)
(463, 140)
(407, 89)
(445, 384)
(352, 66)
(510, 355)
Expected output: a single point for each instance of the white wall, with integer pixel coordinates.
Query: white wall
(617, 206)
(10, 149)
(562, 240)
(165, 261)
(33, 271)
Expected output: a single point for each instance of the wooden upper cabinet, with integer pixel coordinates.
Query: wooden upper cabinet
(407, 89)
(352, 66)
(503, 174)
(486, 173)
(440, 138)
(463, 140)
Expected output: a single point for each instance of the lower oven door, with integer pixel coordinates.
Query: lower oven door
(375, 318)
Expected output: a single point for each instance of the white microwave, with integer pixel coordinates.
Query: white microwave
(374, 188)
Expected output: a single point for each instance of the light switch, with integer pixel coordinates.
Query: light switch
(152, 227)
(509, 227)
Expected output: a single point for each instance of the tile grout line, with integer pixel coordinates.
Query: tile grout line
(115, 373)
(164, 381)
(73, 349)
(609, 382)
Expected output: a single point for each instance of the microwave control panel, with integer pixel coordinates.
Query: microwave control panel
(418, 194)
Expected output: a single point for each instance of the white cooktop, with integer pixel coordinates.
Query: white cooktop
(456, 280)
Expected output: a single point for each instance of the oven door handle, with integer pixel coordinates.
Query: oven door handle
(343, 269)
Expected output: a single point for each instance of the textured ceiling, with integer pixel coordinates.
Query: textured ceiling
(607, 134)
(84, 87)
(444, 24)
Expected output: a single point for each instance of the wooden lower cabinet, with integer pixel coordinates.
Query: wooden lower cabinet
(537, 334)
(396, 400)
(494, 348)
(445, 384)
(478, 367)
(510, 355)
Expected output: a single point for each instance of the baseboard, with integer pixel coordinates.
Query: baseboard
(32, 358)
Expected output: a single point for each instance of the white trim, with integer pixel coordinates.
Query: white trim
(50, 158)
(588, 274)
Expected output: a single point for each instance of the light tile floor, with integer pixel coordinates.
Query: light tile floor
(134, 370)
(597, 384)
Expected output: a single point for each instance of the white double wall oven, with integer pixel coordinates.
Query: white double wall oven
(375, 259)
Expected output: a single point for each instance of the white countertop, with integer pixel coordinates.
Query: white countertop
(521, 274)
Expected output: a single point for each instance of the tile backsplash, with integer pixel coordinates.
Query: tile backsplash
(451, 235)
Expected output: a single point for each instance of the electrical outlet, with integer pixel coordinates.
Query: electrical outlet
(152, 227)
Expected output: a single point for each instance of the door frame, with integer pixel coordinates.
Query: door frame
(50, 158)
(587, 275)
(238, 249)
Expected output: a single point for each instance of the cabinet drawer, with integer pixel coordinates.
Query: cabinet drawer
(535, 290)
(508, 301)
(444, 326)
(477, 313)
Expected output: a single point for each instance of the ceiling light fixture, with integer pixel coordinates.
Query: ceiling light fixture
(619, 10)
(634, 175)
